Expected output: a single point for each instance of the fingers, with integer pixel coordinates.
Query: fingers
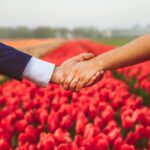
(87, 56)
(79, 85)
(86, 81)
(93, 79)
(74, 83)
(68, 80)
(102, 72)
(80, 81)
(83, 57)
(97, 77)
(62, 78)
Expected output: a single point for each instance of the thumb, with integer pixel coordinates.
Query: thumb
(83, 57)
(87, 56)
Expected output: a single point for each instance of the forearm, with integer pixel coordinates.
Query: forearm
(132, 53)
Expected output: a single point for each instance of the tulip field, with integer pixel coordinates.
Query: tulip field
(113, 114)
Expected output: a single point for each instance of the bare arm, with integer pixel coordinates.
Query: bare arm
(132, 53)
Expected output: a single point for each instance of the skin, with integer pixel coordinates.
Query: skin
(81, 75)
(132, 53)
(61, 72)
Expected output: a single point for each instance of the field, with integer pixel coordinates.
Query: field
(115, 41)
(113, 114)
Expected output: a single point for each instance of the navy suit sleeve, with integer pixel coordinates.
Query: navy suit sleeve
(12, 61)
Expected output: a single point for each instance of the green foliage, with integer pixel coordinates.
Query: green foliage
(14, 141)
(82, 32)
(19, 32)
(72, 131)
(43, 32)
(115, 41)
(142, 143)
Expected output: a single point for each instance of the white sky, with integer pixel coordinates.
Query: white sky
(72, 13)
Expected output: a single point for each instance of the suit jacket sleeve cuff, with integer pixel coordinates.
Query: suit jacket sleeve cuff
(38, 71)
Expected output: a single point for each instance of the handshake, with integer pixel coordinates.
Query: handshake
(78, 72)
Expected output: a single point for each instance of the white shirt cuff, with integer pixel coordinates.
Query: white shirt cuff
(38, 71)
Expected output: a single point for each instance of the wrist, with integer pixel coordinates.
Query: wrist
(55, 76)
(99, 63)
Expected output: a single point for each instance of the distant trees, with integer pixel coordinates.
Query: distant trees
(78, 32)
(43, 32)
(86, 32)
(15, 32)
(48, 32)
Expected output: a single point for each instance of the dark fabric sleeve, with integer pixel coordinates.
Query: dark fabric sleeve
(12, 61)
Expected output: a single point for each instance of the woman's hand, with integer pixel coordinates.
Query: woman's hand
(83, 74)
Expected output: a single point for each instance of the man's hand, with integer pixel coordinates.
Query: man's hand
(61, 72)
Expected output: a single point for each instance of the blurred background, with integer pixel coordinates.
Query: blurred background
(113, 114)
(112, 22)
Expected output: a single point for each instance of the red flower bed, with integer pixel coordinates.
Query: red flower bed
(102, 117)
(93, 47)
(141, 73)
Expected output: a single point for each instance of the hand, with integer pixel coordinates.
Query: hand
(83, 74)
(61, 72)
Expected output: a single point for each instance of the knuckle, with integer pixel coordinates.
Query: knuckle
(61, 81)
(85, 79)
(77, 89)
(64, 76)
(82, 78)
(72, 86)
(65, 84)
(84, 53)
(79, 86)
(65, 87)
(75, 71)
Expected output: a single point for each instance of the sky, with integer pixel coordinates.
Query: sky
(74, 13)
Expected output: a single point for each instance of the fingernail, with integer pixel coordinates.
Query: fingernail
(102, 71)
